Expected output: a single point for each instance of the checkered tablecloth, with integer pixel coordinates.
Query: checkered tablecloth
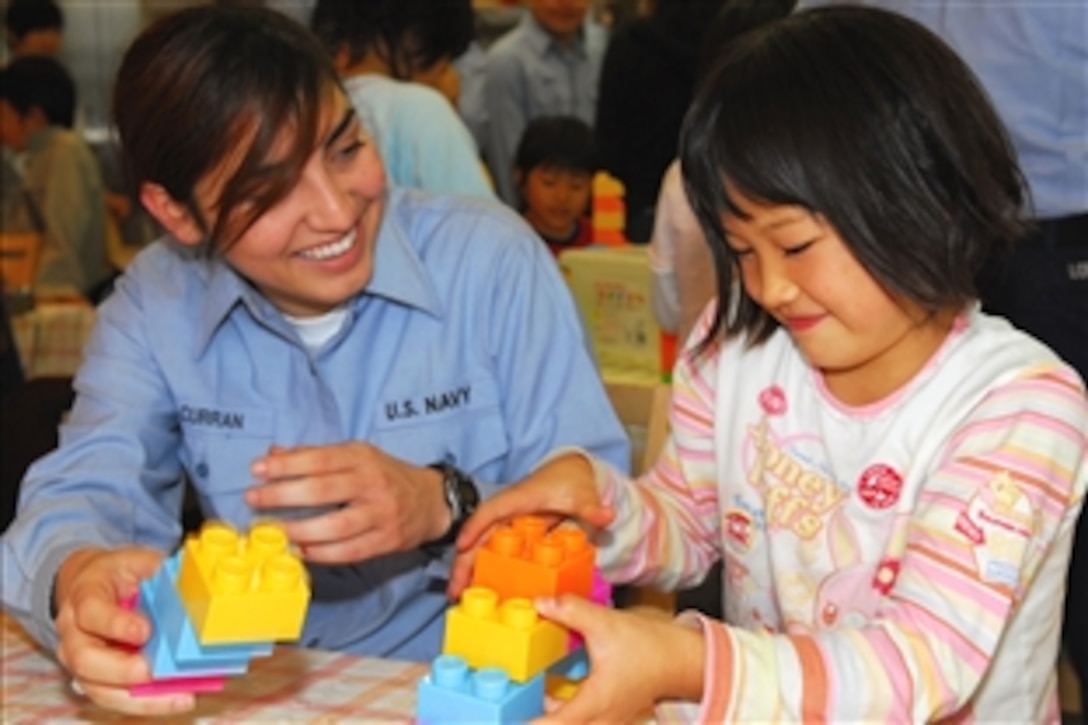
(293, 685)
(51, 336)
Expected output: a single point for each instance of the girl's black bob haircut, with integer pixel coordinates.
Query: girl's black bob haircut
(867, 118)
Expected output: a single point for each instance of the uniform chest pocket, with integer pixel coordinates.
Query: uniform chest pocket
(220, 446)
(463, 424)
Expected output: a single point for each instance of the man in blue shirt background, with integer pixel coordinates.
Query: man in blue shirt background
(547, 65)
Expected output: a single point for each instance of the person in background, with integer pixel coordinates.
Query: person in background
(395, 58)
(680, 260)
(33, 27)
(365, 362)
(61, 181)
(553, 169)
(492, 19)
(647, 83)
(679, 254)
(891, 476)
(549, 64)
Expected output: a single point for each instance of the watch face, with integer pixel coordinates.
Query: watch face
(462, 496)
(470, 495)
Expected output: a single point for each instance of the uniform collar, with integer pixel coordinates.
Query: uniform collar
(399, 276)
(541, 41)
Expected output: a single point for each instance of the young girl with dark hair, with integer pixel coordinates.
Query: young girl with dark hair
(891, 477)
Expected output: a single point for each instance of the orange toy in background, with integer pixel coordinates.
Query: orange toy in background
(609, 210)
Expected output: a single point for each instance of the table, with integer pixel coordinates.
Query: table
(50, 337)
(292, 685)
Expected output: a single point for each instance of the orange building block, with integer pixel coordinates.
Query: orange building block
(238, 589)
(522, 559)
(510, 636)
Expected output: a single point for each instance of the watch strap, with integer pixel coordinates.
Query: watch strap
(462, 497)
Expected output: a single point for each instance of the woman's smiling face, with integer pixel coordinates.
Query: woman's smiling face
(314, 248)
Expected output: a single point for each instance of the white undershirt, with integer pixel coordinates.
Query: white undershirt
(316, 331)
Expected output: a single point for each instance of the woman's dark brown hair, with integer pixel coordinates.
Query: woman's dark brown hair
(208, 85)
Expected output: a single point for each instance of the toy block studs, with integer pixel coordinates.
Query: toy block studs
(608, 210)
(453, 692)
(510, 636)
(498, 653)
(243, 589)
(217, 603)
(522, 559)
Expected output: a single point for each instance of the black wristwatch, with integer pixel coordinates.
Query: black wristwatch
(462, 497)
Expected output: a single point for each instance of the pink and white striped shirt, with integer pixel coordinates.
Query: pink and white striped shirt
(903, 561)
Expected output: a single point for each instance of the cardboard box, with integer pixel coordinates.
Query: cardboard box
(612, 287)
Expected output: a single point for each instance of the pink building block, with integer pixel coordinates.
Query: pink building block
(173, 686)
(601, 593)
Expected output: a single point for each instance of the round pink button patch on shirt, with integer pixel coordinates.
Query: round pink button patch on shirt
(879, 486)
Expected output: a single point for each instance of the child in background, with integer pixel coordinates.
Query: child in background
(61, 188)
(553, 169)
(395, 60)
(305, 343)
(547, 64)
(891, 476)
(33, 27)
(679, 256)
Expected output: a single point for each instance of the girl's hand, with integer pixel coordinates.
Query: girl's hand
(379, 504)
(634, 662)
(99, 639)
(560, 489)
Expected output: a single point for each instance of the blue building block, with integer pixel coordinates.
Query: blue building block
(453, 692)
(173, 649)
(575, 666)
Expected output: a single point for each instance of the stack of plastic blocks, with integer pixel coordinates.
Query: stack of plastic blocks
(220, 601)
(498, 655)
(608, 220)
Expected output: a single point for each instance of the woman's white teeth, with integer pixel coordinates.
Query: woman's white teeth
(328, 251)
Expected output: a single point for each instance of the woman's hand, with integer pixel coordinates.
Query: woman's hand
(380, 504)
(100, 639)
(561, 489)
(634, 662)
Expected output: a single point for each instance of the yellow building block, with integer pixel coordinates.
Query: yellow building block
(509, 636)
(604, 184)
(250, 588)
(561, 688)
(609, 220)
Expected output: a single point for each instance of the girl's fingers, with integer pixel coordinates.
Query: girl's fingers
(572, 612)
